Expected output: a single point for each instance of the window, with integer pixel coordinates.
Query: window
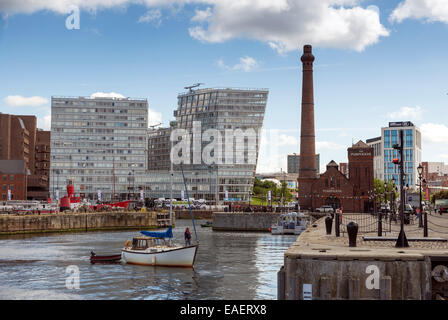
(387, 139)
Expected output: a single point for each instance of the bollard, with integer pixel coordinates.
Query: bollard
(336, 225)
(352, 230)
(328, 224)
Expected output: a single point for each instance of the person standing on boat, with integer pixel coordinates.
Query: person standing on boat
(187, 237)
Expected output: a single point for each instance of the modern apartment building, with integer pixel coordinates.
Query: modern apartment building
(378, 159)
(234, 117)
(294, 163)
(384, 168)
(99, 144)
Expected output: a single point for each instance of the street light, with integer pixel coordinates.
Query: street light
(425, 225)
(420, 218)
(392, 197)
(402, 241)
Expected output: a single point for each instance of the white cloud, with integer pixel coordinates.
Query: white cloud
(328, 145)
(44, 122)
(202, 15)
(284, 25)
(20, 101)
(107, 95)
(288, 25)
(154, 16)
(154, 117)
(434, 132)
(407, 113)
(427, 10)
(287, 141)
(246, 64)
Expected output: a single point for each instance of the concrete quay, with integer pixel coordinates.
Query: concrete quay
(69, 222)
(323, 267)
(249, 221)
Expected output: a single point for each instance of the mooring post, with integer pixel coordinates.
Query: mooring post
(352, 230)
(328, 224)
(336, 225)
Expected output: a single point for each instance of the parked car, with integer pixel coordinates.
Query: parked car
(325, 208)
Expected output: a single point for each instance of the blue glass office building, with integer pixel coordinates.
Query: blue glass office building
(412, 151)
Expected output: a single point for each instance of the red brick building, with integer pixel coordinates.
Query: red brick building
(343, 167)
(12, 179)
(353, 194)
(21, 140)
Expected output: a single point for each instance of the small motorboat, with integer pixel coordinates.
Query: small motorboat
(104, 259)
(207, 224)
(290, 223)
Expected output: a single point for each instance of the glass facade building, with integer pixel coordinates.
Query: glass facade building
(225, 110)
(412, 151)
(98, 144)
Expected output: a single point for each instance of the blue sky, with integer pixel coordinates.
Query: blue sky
(373, 64)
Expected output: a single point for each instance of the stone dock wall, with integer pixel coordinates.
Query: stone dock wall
(197, 214)
(242, 221)
(321, 266)
(63, 222)
(336, 279)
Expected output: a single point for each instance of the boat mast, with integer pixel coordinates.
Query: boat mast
(113, 173)
(171, 182)
(189, 205)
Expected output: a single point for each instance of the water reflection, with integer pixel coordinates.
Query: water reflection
(229, 265)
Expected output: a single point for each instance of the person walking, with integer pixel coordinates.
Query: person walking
(187, 237)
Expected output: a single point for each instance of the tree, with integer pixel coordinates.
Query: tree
(261, 189)
(383, 192)
(439, 195)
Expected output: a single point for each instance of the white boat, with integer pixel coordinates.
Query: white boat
(290, 223)
(153, 249)
(29, 207)
(150, 251)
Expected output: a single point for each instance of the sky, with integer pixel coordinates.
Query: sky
(375, 62)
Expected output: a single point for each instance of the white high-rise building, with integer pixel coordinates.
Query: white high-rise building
(99, 144)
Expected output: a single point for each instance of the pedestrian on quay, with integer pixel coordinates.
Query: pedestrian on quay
(187, 237)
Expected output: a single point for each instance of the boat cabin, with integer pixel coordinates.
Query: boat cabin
(142, 243)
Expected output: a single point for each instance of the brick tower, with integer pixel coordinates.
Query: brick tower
(307, 170)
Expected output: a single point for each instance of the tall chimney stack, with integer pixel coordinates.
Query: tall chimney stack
(307, 170)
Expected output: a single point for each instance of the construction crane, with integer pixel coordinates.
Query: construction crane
(190, 88)
(156, 125)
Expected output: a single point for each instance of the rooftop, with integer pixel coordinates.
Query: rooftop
(98, 98)
(205, 90)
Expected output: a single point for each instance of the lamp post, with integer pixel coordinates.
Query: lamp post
(392, 200)
(402, 241)
(420, 217)
(425, 225)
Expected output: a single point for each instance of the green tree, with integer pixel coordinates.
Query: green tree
(439, 195)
